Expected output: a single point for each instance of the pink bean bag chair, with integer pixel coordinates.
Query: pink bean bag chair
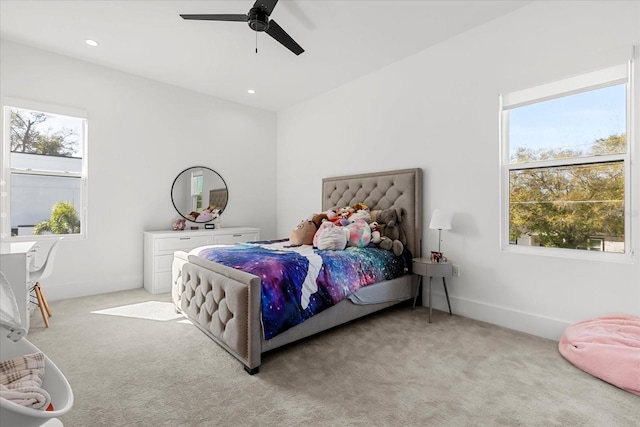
(606, 347)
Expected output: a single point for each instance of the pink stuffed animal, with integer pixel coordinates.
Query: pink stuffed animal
(179, 224)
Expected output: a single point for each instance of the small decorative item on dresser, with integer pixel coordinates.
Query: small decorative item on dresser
(179, 224)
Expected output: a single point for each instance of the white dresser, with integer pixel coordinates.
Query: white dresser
(159, 247)
(16, 260)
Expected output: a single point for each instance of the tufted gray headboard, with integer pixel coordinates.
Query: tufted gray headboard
(382, 190)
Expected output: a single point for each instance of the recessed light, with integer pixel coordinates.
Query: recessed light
(251, 91)
(91, 42)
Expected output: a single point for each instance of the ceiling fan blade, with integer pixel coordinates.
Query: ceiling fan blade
(266, 5)
(285, 39)
(240, 18)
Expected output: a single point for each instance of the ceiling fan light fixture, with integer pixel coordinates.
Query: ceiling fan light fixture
(258, 19)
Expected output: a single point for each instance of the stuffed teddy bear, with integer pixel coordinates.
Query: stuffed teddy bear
(390, 230)
(319, 218)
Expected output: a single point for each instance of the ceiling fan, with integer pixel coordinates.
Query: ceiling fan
(258, 20)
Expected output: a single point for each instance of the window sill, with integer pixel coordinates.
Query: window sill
(625, 258)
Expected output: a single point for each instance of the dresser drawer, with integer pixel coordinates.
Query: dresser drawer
(173, 244)
(163, 262)
(159, 248)
(162, 282)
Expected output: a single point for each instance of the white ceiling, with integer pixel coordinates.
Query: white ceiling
(343, 40)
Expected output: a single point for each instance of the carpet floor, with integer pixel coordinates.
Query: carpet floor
(132, 362)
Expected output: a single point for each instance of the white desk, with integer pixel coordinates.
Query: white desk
(16, 259)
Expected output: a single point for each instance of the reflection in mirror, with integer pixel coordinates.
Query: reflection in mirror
(197, 191)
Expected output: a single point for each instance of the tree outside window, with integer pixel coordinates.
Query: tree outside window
(569, 206)
(566, 162)
(46, 172)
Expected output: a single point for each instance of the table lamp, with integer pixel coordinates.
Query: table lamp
(440, 221)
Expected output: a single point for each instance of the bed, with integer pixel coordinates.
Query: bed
(226, 303)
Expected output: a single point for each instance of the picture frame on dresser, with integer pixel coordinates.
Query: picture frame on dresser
(159, 247)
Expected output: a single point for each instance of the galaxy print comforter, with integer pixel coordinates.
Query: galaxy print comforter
(299, 282)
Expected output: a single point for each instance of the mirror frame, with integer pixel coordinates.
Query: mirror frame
(216, 174)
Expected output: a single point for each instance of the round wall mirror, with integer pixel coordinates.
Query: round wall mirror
(197, 191)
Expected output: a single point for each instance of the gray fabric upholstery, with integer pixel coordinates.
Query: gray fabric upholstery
(225, 304)
(384, 292)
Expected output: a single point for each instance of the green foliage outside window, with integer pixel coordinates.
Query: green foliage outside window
(29, 135)
(64, 220)
(567, 206)
(38, 143)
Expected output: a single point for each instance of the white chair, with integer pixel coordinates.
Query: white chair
(38, 274)
(14, 344)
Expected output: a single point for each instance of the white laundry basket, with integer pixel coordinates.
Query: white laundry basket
(13, 344)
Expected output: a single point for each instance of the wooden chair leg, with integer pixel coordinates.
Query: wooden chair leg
(44, 299)
(41, 304)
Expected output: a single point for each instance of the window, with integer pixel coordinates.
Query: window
(44, 171)
(196, 190)
(565, 165)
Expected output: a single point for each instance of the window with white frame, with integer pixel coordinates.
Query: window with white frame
(565, 162)
(44, 182)
(197, 178)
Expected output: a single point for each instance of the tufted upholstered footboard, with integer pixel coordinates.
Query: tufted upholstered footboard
(224, 303)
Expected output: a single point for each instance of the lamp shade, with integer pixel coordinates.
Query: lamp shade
(440, 220)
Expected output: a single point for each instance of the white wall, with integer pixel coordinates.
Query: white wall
(438, 110)
(141, 135)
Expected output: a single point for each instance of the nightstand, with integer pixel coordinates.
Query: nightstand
(424, 267)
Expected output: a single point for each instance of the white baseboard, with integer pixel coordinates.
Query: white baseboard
(513, 319)
(529, 323)
(91, 287)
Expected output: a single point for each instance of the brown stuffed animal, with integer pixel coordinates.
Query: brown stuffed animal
(303, 233)
(390, 230)
(318, 219)
(360, 207)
